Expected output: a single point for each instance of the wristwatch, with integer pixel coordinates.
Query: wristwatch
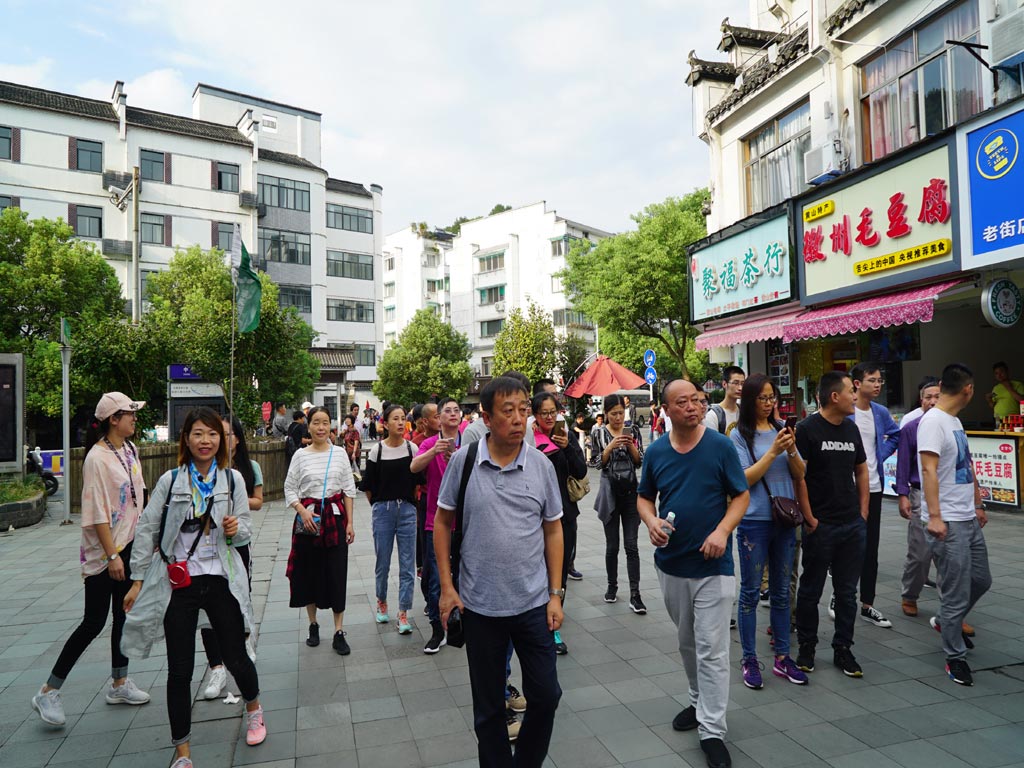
(559, 593)
(981, 506)
(113, 557)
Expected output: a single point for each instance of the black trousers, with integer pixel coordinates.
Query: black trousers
(210, 643)
(841, 547)
(568, 550)
(210, 594)
(103, 596)
(626, 514)
(869, 571)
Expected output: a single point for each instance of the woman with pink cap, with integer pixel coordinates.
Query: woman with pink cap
(112, 501)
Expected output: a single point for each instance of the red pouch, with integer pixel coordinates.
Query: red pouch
(178, 574)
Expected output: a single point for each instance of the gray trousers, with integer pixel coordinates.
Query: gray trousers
(919, 553)
(961, 561)
(700, 609)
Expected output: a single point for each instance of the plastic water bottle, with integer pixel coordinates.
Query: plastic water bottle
(670, 518)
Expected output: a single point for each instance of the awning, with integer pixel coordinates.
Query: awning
(913, 306)
(744, 331)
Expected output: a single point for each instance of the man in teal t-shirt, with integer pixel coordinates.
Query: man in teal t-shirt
(693, 474)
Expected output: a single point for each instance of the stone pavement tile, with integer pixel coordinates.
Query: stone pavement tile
(915, 692)
(591, 697)
(218, 755)
(654, 711)
(742, 697)
(612, 673)
(390, 755)
(834, 705)
(424, 701)
(775, 750)
(997, 746)
(590, 656)
(580, 753)
(428, 723)
(322, 715)
(634, 744)
(322, 741)
(367, 670)
(786, 715)
(740, 759)
(579, 677)
(279, 700)
(110, 720)
(344, 759)
(825, 740)
(1010, 706)
(637, 689)
(160, 758)
(28, 754)
(657, 665)
(662, 761)
(372, 689)
(940, 719)
(634, 649)
(568, 725)
(447, 749)
(672, 683)
(921, 754)
(323, 676)
(280, 746)
(377, 709)
(873, 729)
(34, 729)
(93, 745)
(322, 691)
(873, 699)
(378, 732)
(868, 758)
(144, 739)
(611, 719)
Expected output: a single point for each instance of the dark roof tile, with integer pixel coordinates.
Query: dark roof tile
(722, 71)
(348, 187)
(844, 13)
(334, 358)
(746, 37)
(27, 96)
(285, 159)
(187, 126)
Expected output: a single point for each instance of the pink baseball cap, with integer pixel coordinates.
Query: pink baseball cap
(112, 402)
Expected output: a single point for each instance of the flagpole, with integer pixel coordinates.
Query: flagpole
(231, 382)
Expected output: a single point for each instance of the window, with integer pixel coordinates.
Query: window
(492, 262)
(152, 165)
(389, 290)
(227, 177)
(389, 263)
(774, 159)
(920, 85)
(559, 247)
(269, 123)
(492, 294)
(350, 311)
(295, 296)
(489, 328)
(6, 142)
(432, 257)
(5, 202)
(433, 286)
(570, 317)
(366, 354)
(283, 193)
(285, 247)
(224, 234)
(389, 338)
(355, 265)
(151, 228)
(389, 314)
(486, 366)
(90, 156)
(352, 219)
(89, 222)
(556, 284)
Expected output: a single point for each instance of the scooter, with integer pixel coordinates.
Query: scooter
(34, 466)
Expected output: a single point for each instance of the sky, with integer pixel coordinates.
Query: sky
(451, 106)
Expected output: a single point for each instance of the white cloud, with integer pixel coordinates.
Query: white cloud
(163, 90)
(36, 73)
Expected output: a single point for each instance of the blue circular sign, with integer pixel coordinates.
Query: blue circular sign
(650, 375)
(650, 358)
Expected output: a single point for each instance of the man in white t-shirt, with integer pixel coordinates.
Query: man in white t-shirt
(955, 522)
(722, 416)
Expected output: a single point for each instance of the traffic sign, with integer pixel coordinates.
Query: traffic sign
(650, 375)
(650, 358)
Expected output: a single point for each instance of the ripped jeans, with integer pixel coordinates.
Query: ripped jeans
(759, 542)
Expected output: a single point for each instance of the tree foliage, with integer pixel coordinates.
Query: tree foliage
(635, 284)
(499, 208)
(628, 349)
(527, 343)
(429, 359)
(570, 353)
(456, 226)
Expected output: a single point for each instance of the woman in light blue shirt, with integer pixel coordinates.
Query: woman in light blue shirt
(768, 455)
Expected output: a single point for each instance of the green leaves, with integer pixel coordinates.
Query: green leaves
(526, 343)
(430, 358)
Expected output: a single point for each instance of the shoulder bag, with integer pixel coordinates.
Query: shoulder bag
(785, 511)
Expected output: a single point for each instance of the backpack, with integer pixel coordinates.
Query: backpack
(719, 411)
(363, 484)
(621, 470)
(460, 523)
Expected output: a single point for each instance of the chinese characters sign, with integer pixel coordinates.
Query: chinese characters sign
(891, 223)
(745, 271)
(996, 467)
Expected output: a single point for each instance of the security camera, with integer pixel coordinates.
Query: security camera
(116, 191)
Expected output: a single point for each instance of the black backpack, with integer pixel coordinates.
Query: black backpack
(719, 411)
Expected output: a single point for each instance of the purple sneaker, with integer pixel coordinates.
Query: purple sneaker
(785, 667)
(752, 674)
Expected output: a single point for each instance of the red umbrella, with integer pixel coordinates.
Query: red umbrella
(603, 377)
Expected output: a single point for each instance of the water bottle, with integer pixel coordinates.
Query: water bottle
(670, 518)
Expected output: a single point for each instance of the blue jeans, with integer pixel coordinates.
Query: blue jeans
(758, 542)
(391, 520)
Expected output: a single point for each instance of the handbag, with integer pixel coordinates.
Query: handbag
(785, 511)
(577, 489)
(298, 527)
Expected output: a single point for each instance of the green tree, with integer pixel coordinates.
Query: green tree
(429, 358)
(526, 343)
(499, 208)
(629, 351)
(570, 353)
(456, 226)
(635, 283)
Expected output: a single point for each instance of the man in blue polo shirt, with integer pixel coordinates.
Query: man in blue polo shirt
(693, 474)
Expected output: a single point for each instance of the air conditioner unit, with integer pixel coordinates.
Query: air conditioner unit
(499, 306)
(822, 163)
(1008, 40)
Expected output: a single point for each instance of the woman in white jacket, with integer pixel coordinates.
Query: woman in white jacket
(186, 552)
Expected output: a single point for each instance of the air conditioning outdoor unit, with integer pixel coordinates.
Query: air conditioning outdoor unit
(1008, 40)
(499, 306)
(821, 164)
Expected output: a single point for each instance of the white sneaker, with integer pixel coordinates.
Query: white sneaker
(832, 607)
(873, 616)
(218, 679)
(126, 693)
(49, 706)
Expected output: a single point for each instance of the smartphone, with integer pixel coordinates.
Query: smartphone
(791, 422)
(559, 428)
(455, 634)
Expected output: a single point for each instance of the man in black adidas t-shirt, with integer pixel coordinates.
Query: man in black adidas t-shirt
(835, 509)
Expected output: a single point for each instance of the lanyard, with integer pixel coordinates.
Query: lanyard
(323, 495)
(126, 467)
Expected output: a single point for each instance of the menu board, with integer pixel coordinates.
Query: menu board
(996, 467)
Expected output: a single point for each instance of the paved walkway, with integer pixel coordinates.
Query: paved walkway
(390, 705)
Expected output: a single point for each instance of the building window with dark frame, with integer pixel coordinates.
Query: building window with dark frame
(90, 156)
(7, 202)
(151, 228)
(491, 328)
(350, 311)
(920, 85)
(151, 165)
(389, 314)
(773, 159)
(349, 218)
(283, 247)
(227, 177)
(6, 142)
(492, 262)
(491, 295)
(89, 222)
(295, 296)
(366, 354)
(224, 234)
(358, 266)
(562, 318)
(283, 193)
(389, 263)
(389, 290)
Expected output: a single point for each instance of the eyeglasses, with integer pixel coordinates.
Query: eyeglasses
(451, 411)
(766, 398)
(874, 381)
(547, 414)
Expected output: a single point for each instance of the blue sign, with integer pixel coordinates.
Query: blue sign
(650, 375)
(180, 372)
(650, 358)
(995, 172)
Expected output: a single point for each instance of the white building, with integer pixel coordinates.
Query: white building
(238, 159)
(416, 276)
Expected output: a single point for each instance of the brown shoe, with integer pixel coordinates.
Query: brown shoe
(968, 630)
(910, 607)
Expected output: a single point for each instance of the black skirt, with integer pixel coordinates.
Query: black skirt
(317, 575)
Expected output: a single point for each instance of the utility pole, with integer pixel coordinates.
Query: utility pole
(65, 382)
(136, 274)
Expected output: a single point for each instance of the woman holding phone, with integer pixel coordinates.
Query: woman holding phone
(768, 455)
(620, 451)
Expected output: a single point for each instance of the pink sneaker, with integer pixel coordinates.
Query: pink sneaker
(256, 729)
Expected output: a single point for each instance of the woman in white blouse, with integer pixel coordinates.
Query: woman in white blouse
(320, 488)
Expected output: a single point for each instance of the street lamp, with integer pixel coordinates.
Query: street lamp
(120, 198)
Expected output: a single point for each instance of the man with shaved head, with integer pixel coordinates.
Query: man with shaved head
(696, 476)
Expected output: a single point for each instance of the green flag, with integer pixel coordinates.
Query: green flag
(248, 290)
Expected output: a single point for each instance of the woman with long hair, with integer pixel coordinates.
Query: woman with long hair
(566, 456)
(768, 455)
(619, 449)
(320, 488)
(390, 487)
(187, 554)
(253, 476)
(112, 498)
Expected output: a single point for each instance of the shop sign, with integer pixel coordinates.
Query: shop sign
(884, 228)
(1001, 303)
(745, 271)
(993, 212)
(995, 467)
